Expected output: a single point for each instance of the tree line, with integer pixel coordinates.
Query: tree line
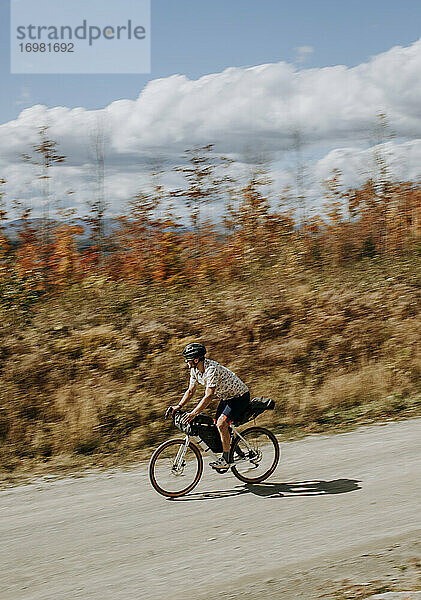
(149, 243)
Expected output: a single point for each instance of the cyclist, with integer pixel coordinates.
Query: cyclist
(219, 382)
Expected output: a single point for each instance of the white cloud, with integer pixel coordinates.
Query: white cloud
(25, 97)
(303, 52)
(403, 162)
(242, 111)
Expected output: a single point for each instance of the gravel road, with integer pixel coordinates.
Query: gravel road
(334, 504)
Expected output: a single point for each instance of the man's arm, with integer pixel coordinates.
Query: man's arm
(188, 395)
(205, 401)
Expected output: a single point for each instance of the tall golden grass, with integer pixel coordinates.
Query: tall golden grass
(90, 371)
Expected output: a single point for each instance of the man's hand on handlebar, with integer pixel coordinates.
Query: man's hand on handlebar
(171, 410)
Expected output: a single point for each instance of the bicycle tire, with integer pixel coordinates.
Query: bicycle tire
(254, 432)
(158, 486)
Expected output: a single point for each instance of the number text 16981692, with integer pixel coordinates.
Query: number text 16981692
(47, 47)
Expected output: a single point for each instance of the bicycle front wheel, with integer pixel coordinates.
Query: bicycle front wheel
(256, 456)
(175, 470)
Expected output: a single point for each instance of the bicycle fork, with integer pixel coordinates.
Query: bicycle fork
(179, 459)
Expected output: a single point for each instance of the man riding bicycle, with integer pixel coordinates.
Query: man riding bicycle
(219, 382)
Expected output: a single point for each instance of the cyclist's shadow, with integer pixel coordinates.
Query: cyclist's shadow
(281, 490)
(304, 488)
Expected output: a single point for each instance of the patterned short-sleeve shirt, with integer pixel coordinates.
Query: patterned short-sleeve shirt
(226, 383)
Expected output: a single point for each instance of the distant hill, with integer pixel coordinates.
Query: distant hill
(110, 226)
(12, 227)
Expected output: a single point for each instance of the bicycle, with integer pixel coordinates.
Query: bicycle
(176, 466)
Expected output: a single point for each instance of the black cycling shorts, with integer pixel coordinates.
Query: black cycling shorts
(233, 408)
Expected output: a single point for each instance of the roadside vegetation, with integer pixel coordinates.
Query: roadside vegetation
(390, 579)
(321, 313)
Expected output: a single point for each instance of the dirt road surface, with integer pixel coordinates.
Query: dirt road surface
(336, 505)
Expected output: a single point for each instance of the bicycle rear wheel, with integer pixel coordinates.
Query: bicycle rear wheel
(255, 460)
(171, 474)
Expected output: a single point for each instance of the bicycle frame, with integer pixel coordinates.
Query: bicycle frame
(199, 442)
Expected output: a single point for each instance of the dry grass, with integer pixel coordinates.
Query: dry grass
(90, 373)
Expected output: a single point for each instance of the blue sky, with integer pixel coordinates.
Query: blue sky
(229, 73)
(197, 38)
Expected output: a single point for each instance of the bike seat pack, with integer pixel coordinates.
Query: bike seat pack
(255, 408)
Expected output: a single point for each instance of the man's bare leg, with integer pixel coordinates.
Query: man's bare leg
(222, 425)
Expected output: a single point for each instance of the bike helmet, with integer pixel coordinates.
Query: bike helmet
(194, 350)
